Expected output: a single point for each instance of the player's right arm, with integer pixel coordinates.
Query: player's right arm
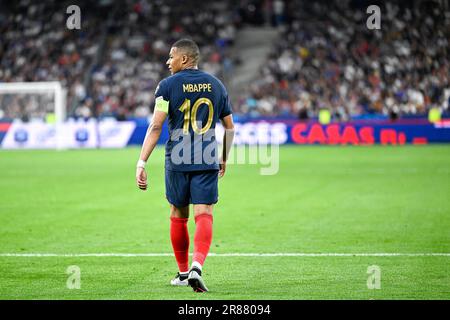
(228, 136)
(153, 132)
(150, 141)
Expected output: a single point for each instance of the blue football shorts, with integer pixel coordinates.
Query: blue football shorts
(196, 187)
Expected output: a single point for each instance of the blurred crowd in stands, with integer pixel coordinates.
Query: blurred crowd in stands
(138, 44)
(325, 58)
(35, 45)
(112, 65)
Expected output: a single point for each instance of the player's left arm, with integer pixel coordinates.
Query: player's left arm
(228, 136)
(226, 118)
(150, 141)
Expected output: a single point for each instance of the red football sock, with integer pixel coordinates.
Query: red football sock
(179, 236)
(202, 237)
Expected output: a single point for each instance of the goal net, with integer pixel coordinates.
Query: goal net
(34, 102)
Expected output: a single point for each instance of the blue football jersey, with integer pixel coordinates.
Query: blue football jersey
(194, 101)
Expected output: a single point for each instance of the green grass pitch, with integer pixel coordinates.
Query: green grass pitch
(323, 200)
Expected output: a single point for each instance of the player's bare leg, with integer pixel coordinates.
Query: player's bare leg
(182, 212)
(179, 237)
(202, 242)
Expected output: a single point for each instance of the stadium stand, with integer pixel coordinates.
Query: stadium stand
(37, 46)
(137, 48)
(327, 58)
(112, 68)
(324, 58)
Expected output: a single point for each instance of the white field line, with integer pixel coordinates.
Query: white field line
(63, 255)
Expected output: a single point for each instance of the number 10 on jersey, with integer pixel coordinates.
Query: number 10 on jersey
(186, 108)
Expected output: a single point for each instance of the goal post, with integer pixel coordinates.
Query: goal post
(33, 88)
(38, 88)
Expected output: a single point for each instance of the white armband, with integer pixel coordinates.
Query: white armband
(140, 164)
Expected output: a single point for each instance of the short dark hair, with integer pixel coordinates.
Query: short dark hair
(189, 47)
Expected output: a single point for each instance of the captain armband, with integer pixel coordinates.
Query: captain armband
(161, 104)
